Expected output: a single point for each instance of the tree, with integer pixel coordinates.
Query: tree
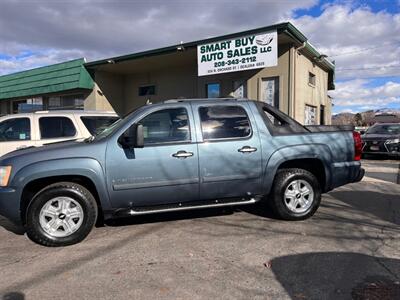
(358, 119)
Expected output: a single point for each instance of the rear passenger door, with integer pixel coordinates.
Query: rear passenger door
(229, 151)
(54, 129)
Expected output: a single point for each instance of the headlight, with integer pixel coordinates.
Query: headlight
(5, 173)
(393, 141)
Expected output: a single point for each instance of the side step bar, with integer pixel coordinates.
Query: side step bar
(178, 207)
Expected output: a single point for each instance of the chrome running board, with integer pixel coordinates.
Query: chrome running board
(180, 207)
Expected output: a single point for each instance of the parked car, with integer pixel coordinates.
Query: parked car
(35, 129)
(174, 156)
(382, 139)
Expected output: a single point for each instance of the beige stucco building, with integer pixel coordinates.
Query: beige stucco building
(297, 84)
(295, 77)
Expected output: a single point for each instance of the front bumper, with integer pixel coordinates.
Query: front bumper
(381, 147)
(10, 205)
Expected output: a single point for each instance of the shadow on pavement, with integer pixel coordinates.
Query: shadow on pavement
(7, 225)
(13, 296)
(338, 275)
(384, 206)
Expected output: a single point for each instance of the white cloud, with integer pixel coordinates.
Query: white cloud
(357, 92)
(341, 30)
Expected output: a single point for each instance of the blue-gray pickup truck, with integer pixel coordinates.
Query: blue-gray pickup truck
(172, 156)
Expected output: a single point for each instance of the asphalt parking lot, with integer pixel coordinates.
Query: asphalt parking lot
(350, 248)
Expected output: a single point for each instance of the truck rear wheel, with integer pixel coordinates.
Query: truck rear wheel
(296, 194)
(61, 214)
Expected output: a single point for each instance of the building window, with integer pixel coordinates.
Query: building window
(310, 115)
(147, 90)
(56, 127)
(213, 90)
(239, 89)
(322, 115)
(311, 78)
(224, 122)
(66, 102)
(270, 91)
(27, 105)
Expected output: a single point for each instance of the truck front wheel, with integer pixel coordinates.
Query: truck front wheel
(61, 214)
(296, 194)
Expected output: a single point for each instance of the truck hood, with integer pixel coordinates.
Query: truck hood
(62, 150)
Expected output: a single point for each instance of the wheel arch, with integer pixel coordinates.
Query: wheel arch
(313, 158)
(88, 173)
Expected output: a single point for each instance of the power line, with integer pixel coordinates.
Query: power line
(364, 49)
(371, 68)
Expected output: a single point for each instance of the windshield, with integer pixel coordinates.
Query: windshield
(106, 132)
(384, 129)
(110, 130)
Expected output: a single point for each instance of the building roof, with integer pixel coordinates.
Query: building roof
(55, 78)
(287, 28)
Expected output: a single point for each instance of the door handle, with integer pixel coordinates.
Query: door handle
(182, 154)
(247, 149)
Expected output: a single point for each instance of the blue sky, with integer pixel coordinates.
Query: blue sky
(361, 36)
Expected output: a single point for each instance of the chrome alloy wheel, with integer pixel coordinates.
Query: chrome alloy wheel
(61, 216)
(299, 196)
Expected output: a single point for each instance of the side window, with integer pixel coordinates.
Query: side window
(95, 125)
(18, 129)
(166, 126)
(224, 122)
(56, 127)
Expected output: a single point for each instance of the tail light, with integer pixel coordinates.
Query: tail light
(357, 145)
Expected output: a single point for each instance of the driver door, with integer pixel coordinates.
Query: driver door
(165, 170)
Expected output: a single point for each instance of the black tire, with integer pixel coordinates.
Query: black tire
(72, 190)
(277, 199)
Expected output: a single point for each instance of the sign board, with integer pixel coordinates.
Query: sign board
(238, 54)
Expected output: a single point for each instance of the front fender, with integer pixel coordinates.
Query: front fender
(86, 167)
(287, 153)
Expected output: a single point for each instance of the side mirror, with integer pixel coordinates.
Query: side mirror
(133, 137)
(139, 136)
(362, 132)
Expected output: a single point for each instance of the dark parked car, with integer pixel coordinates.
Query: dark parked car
(174, 156)
(383, 139)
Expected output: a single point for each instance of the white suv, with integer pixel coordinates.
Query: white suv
(43, 127)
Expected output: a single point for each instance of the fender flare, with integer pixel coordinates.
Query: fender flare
(320, 152)
(85, 167)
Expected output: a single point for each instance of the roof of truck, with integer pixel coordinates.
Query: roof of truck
(66, 112)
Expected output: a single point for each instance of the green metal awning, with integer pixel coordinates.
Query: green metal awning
(56, 78)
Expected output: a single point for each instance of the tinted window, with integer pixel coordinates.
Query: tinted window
(56, 127)
(165, 126)
(18, 129)
(222, 122)
(95, 125)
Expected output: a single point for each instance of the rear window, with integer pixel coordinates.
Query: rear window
(56, 127)
(224, 122)
(277, 122)
(95, 125)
